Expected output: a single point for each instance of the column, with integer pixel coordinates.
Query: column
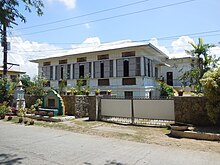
(114, 68)
(142, 66)
(92, 70)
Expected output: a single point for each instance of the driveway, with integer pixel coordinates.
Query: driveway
(21, 144)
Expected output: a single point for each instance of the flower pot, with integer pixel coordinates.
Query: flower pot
(9, 118)
(20, 120)
(32, 122)
(180, 93)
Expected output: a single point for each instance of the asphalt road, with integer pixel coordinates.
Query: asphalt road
(32, 145)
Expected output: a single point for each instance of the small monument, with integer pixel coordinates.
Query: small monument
(53, 102)
(19, 101)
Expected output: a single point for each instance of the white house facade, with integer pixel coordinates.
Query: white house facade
(127, 68)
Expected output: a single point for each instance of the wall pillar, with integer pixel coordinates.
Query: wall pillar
(114, 68)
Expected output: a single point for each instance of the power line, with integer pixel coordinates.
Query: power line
(193, 35)
(80, 16)
(108, 18)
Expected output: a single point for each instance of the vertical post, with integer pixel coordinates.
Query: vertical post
(132, 111)
(4, 40)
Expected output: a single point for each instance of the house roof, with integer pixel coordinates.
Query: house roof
(103, 47)
(12, 71)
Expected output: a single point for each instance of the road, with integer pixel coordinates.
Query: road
(33, 145)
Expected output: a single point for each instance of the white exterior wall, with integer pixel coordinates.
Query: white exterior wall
(143, 84)
(176, 65)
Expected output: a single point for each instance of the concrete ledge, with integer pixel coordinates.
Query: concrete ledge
(195, 135)
(50, 119)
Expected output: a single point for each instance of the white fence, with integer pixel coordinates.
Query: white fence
(141, 109)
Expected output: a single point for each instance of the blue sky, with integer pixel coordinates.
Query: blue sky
(158, 21)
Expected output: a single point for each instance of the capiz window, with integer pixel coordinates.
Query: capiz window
(128, 54)
(63, 61)
(82, 59)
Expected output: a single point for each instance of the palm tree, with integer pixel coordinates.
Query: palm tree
(205, 62)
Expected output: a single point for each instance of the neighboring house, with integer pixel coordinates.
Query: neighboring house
(127, 68)
(12, 74)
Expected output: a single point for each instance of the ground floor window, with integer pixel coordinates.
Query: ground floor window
(128, 94)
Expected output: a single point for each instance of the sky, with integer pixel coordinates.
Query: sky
(170, 25)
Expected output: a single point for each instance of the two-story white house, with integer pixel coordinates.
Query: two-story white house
(127, 68)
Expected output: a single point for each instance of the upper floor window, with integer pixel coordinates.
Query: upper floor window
(46, 63)
(81, 59)
(103, 57)
(63, 61)
(128, 54)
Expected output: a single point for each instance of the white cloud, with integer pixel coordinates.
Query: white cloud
(22, 51)
(155, 42)
(70, 4)
(215, 51)
(179, 46)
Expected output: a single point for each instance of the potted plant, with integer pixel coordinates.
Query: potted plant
(109, 92)
(86, 91)
(97, 92)
(74, 91)
(180, 92)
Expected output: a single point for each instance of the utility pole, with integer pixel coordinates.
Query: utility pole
(5, 50)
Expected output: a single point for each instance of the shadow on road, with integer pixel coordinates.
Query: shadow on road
(9, 159)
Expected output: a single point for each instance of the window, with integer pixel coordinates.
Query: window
(68, 71)
(81, 59)
(103, 82)
(156, 72)
(103, 57)
(126, 68)
(61, 72)
(128, 81)
(13, 78)
(128, 94)
(81, 71)
(148, 68)
(51, 72)
(138, 66)
(128, 54)
(102, 70)
(56, 72)
(73, 71)
(111, 68)
(63, 61)
(47, 84)
(46, 63)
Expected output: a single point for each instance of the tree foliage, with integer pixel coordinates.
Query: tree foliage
(166, 90)
(6, 89)
(9, 10)
(211, 85)
(205, 62)
(34, 87)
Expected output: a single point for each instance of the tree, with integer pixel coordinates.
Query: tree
(205, 62)
(9, 10)
(36, 87)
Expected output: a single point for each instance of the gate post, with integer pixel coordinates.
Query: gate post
(132, 111)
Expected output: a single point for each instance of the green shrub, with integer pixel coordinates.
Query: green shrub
(166, 90)
(211, 85)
